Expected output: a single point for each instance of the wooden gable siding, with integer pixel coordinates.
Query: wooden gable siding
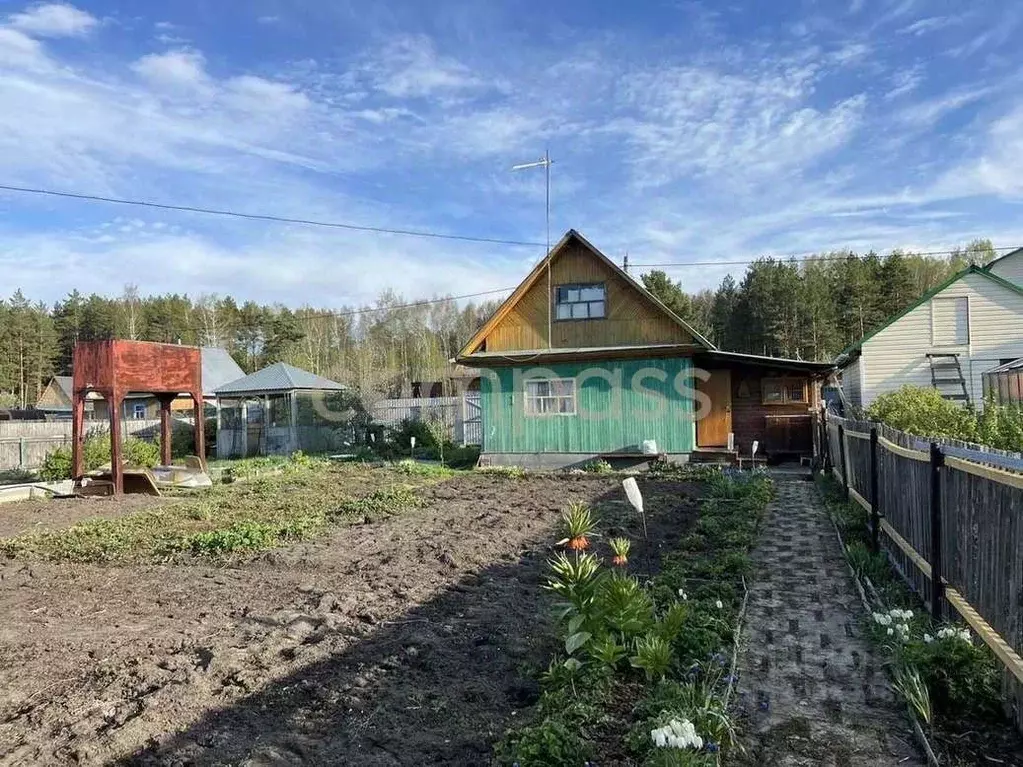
(630, 320)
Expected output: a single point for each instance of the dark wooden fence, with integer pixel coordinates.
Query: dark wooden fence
(949, 516)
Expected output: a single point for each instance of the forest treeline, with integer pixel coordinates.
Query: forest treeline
(808, 309)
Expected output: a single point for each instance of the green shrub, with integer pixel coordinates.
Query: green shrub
(598, 466)
(549, 743)
(96, 453)
(923, 411)
(462, 457)
(183, 439)
(57, 465)
(960, 674)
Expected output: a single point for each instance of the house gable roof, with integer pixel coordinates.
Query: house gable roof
(280, 377)
(972, 269)
(1006, 256)
(570, 237)
(218, 369)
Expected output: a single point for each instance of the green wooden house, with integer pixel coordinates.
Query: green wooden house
(582, 362)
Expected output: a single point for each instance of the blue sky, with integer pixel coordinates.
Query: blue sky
(682, 131)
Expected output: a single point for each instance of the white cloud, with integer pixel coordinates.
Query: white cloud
(931, 24)
(926, 113)
(997, 169)
(905, 81)
(19, 50)
(179, 67)
(410, 67)
(53, 20)
(742, 127)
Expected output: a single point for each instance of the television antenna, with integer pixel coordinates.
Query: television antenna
(545, 162)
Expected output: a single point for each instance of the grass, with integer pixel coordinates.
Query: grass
(302, 500)
(512, 472)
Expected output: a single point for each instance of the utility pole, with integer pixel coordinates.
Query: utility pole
(545, 162)
(625, 263)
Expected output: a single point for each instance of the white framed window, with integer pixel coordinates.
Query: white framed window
(584, 301)
(950, 321)
(550, 396)
(138, 411)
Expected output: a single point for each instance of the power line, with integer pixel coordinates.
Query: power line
(367, 310)
(415, 232)
(266, 217)
(803, 257)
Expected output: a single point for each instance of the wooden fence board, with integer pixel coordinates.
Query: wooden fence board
(981, 507)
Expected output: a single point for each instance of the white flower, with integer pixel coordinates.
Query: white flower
(683, 595)
(890, 631)
(677, 734)
(928, 639)
(719, 604)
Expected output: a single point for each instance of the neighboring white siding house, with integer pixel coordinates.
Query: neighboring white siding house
(976, 315)
(1008, 267)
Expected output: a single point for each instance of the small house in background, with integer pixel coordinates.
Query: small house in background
(281, 409)
(55, 401)
(954, 334)
(582, 362)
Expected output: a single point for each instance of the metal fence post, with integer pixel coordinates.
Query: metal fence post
(841, 457)
(875, 495)
(22, 453)
(937, 587)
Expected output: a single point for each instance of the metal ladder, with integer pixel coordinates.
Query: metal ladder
(948, 373)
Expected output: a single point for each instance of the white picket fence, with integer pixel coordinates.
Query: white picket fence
(461, 414)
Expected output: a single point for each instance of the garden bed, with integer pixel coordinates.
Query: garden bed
(395, 637)
(644, 663)
(947, 678)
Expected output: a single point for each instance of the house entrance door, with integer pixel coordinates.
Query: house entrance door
(713, 429)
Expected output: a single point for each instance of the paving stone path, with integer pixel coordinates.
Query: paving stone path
(811, 690)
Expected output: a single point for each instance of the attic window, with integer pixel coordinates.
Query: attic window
(584, 301)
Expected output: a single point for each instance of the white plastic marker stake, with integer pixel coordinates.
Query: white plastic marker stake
(635, 498)
(753, 452)
(412, 441)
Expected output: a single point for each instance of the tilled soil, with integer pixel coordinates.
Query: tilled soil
(23, 517)
(394, 643)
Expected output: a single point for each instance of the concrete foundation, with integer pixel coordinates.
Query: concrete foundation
(554, 461)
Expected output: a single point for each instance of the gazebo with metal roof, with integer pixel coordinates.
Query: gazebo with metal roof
(278, 410)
